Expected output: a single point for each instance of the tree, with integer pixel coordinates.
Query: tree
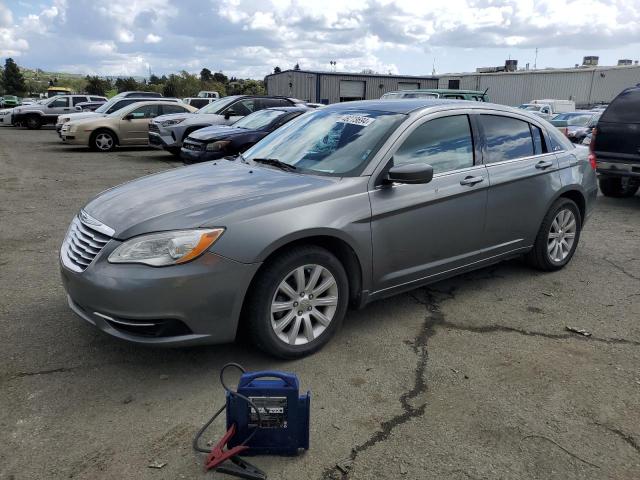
(296, 66)
(154, 80)
(205, 75)
(220, 78)
(277, 69)
(12, 79)
(127, 84)
(96, 86)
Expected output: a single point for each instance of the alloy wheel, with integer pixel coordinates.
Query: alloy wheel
(304, 304)
(562, 235)
(104, 141)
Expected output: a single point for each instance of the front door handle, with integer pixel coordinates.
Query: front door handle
(542, 164)
(471, 181)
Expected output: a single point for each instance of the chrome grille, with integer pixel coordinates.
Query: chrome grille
(154, 128)
(85, 239)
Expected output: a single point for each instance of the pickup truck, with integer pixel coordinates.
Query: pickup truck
(46, 113)
(615, 145)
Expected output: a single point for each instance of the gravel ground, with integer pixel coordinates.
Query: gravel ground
(471, 378)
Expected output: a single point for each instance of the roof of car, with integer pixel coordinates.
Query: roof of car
(405, 105)
(297, 108)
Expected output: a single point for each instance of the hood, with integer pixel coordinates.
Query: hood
(81, 115)
(201, 195)
(217, 132)
(171, 116)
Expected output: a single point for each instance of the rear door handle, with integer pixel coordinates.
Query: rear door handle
(542, 164)
(471, 181)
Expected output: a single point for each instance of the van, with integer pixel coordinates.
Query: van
(615, 145)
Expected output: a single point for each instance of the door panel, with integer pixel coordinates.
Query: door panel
(134, 132)
(523, 174)
(422, 230)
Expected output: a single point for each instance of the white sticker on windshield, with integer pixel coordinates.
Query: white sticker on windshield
(357, 120)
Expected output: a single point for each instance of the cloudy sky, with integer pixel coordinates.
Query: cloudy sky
(248, 38)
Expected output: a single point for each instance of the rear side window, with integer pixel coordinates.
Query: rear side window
(77, 100)
(625, 108)
(444, 143)
(96, 99)
(507, 138)
(198, 102)
(274, 102)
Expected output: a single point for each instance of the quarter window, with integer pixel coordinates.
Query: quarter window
(507, 138)
(444, 143)
(538, 140)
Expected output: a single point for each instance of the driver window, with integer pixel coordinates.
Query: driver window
(148, 111)
(444, 143)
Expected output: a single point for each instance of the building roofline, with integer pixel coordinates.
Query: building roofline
(544, 71)
(354, 74)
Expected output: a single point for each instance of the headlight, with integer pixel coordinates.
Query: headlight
(166, 248)
(168, 123)
(217, 146)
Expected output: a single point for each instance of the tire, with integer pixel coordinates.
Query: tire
(617, 187)
(33, 122)
(102, 141)
(312, 332)
(562, 219)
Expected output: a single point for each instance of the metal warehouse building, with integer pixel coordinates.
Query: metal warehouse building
(584, 85)
(332, 87)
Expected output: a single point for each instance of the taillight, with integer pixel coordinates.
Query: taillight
(592, 151)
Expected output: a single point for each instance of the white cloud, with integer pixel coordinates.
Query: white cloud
(152, 38)
(250, 37)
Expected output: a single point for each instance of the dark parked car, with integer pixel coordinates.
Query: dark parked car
(219, 141)
(347, 204)
(615, 145)
(576, 125)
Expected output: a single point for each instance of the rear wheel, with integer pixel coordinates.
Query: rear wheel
(558, 236)
(298, 302)
(618, 187)
(102, 141)
(33, 122)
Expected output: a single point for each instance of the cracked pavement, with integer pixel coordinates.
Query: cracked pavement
(475, 377)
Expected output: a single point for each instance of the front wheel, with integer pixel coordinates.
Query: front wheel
(298, 302)
(558, 236)
(102, 141)
(618, 187)
(33, 122)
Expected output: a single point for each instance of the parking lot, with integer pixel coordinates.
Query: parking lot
(474, 377)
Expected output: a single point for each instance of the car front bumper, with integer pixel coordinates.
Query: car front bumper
(76, 137)
(5, 120)
(195, 156)
(195, 303)
(163, 139)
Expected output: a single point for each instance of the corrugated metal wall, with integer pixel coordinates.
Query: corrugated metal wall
(584, 86)
(304, 84)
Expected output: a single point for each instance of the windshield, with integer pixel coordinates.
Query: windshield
(259, 119)
(336, 143)
(106, 106)
(217, 106)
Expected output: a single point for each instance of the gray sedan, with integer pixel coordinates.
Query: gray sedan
(345, 205)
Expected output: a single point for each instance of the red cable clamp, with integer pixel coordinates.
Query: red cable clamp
(218, 455)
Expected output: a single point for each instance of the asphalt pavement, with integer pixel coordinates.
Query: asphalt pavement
(476, 377)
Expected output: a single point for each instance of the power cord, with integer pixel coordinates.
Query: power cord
(233, 393)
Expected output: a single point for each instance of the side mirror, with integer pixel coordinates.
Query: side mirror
(410, 173)
(129, 116)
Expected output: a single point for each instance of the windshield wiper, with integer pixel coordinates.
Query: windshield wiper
(276, 163)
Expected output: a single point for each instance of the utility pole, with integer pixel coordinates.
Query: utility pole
(535, 62)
